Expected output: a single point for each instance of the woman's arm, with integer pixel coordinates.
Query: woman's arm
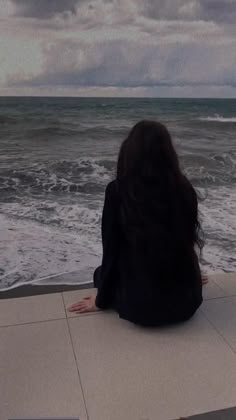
(110, 239)
(107, 271)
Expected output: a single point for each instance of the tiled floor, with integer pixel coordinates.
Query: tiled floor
(34, 309)
(222, 314)
(98, 367)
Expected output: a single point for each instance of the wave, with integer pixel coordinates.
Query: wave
(210, 169)
(86, 176)
(48, 128)
(50, 131)
(90, 175)
(67, 130)
(219, 118)
(4, 119)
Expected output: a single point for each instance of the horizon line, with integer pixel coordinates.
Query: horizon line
(117, 97)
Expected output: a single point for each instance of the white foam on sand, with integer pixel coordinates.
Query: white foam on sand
(219, 224)
(37, 248)
(30, 251)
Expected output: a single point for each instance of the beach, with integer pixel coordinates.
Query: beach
(57, 156)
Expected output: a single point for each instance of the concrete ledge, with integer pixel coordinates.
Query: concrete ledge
(228, 414)
(220, 285)
(99, 367)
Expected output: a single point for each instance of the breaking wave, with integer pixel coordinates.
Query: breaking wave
(85, 176)
(219, 119)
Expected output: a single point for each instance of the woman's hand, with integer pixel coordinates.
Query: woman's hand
(85, 305)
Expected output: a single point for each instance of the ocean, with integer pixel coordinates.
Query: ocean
(58, 154)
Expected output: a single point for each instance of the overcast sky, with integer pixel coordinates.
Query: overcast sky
(118, 48)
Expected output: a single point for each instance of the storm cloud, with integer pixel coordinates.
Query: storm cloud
(208, 10)
(136, 47)
(44, 9)
(213, 10)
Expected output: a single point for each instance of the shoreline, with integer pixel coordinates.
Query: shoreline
(27, 290)
(59, 283)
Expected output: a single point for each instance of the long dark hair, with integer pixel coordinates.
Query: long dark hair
(154, 191)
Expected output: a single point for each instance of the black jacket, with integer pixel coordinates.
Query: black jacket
(143, 287)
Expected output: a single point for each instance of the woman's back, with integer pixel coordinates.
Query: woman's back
(150, 227)
(157, 262)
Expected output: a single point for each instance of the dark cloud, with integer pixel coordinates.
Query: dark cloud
(162, 9)
(120, 44)
(44, 9)
(209, 10)
(219, 10)
(123, 64)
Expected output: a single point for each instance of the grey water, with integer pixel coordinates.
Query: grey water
(58, 154)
